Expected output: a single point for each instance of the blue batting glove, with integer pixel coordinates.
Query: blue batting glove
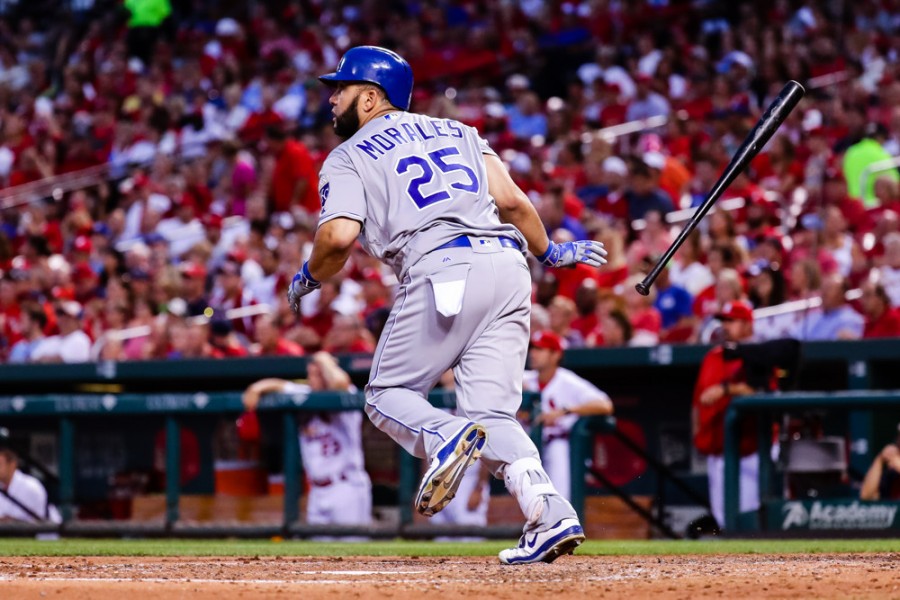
(567, 254)
(302, 284)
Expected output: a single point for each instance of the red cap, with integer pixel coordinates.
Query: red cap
(736, 311)
(547, 340)
(193, 270)
(82, 244)
(212, 220)
(83, 271)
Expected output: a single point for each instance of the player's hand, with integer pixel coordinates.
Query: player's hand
(474, 499)
(548, 417)
(589, 252)
(712, 394)
(302, 284)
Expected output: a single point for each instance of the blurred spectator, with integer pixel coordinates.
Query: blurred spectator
(193, 287)
(675, 306)
(643, 193)
(295, 183)
(348, 335)
(645, 319)
(882, 319)
(860, 155)
(526, 120)
(33, 322)
(72, 345)
(889, 271)
(223, 342)
(840, 244)
(687, 270)
(229, 293)
(835, 320)
(646, 103)
(653, 240)
(271, 342)
(562, 315)
(617, 330)
(147, 17)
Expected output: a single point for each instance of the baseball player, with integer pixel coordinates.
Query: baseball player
(431, 199)
(340, 491)
(565, 397)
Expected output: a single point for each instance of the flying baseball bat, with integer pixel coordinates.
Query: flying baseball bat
(774, 116)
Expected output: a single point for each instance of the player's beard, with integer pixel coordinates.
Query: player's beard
(347, 123)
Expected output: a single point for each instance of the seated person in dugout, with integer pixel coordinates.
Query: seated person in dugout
(22, 497)
(882, 481)
(340, 491)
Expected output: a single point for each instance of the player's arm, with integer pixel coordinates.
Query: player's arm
(256, 390)
(594, 407)
(516, 208)
(332, 247)
(335, 377)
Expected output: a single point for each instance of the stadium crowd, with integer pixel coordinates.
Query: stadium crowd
(204, 131)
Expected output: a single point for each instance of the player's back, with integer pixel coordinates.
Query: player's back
(424, 183)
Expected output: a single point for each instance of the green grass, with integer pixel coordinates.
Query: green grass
(116, 547)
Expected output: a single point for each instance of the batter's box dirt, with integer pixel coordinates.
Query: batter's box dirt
(689, 577)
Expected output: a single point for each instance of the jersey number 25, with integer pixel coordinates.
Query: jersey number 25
(465, 181)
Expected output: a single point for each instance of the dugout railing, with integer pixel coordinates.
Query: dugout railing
(841, 515)
(68, 409)
(651, 388)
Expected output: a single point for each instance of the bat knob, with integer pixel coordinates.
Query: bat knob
(642, 288)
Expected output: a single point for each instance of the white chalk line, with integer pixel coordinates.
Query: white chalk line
(391, 579)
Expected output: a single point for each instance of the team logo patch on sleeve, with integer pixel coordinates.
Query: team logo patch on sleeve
(323, 193)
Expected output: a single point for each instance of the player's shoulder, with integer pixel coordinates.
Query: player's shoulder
(530, 380)
(566, 376)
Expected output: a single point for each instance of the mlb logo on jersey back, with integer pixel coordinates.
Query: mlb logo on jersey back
(324, 188)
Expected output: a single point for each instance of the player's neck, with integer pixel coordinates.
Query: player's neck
(367, 118)
(545, 375)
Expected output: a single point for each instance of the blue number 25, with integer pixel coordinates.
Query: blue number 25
(437, 158)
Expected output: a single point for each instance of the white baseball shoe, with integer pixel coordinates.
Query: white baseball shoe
(545, 546)
(448, 466)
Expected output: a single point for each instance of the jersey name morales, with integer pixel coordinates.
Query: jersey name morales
(377, 145)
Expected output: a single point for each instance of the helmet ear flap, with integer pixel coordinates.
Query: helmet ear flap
(379, 66)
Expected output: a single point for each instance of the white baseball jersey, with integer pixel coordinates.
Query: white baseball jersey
(564, 390)
(28, 491)
(414, 183)
(331, 442)
(340, 491)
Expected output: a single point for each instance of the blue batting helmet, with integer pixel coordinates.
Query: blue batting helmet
(385, 68)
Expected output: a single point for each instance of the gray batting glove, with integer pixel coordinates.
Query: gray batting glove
(302, 284)
(589, 252)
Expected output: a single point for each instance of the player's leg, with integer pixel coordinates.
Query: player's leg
(412, 353)
(489, 390)
(749, 483)
(715, 473)
(555, 456)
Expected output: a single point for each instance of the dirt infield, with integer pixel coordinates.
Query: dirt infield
(720, 576)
